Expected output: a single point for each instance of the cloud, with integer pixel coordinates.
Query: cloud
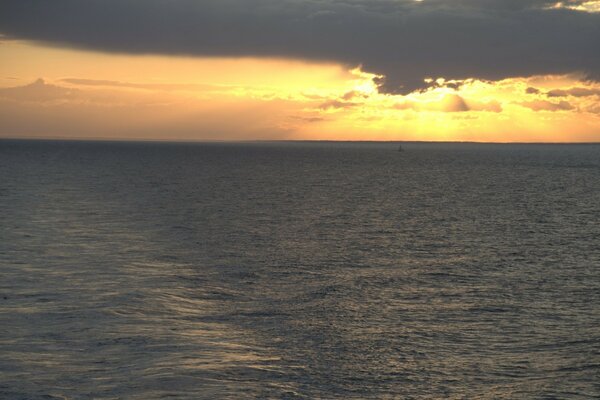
(454, 103)
(309, 119)
(144, 86)
(354, 94)
(337, 104)
(489, 106)
(575, 92)
(448, 103)
(38, 91)
(43, 109)
(403, 41)
(544, 105)
(42, 92)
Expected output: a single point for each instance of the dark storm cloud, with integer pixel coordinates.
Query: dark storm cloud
(403, 40)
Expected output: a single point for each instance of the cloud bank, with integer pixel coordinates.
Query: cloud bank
(492, 111)
(404, 41)
(48, 110)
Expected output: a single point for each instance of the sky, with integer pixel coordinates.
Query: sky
(432, 70)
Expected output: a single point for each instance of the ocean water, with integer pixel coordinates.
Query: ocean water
(299, 271)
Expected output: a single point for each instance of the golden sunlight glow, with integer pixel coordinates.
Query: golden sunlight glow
(588, 6)
(24, 62)
(92, 95)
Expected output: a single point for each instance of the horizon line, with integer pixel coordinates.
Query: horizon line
(233, 141)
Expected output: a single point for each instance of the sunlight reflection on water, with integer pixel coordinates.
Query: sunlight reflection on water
(299, 271)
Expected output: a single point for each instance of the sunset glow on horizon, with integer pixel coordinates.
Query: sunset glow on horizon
(59, 91)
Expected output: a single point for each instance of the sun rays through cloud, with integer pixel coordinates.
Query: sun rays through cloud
(415, 70)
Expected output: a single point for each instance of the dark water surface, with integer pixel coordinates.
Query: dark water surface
(299, 270)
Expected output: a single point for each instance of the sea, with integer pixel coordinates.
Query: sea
(299, 270)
